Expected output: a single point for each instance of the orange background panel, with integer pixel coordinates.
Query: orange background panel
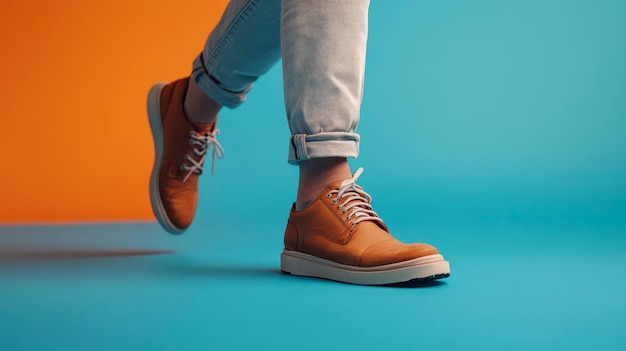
(74, 139)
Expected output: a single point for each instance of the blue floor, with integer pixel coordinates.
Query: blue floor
(218, 287)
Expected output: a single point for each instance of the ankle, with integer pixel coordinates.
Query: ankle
(316, 175)
(198, 107)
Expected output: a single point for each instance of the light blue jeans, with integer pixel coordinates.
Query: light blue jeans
(323, 44)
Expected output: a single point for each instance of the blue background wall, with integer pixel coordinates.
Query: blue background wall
(481, 110)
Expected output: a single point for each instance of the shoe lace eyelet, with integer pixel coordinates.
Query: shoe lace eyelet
(352, 224)
(334, 201)
(348, 217)
(329, 195)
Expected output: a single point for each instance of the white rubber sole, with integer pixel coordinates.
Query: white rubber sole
(419, 269)
(154, 117)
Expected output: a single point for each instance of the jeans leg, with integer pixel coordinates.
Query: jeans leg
(323, 49)
(244, 45)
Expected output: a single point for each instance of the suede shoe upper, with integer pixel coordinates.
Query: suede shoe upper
(185, 147)
(341, 226)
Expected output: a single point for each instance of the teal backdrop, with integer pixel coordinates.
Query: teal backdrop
(473, 111)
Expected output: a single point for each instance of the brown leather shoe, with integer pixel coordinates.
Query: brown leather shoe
(340, 237)
(180, 152)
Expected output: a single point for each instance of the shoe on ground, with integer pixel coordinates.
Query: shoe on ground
(339, 237)
(180, 151)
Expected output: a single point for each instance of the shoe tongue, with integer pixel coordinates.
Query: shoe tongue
(379, 224)
(203, 128)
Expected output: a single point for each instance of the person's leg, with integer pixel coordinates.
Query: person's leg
(323, 45)
(244, 45)
(332, 231)
(183, 114)
(198, 106)
(316, 174)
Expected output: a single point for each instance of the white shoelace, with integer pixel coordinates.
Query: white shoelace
(354, 202)
(203, 142)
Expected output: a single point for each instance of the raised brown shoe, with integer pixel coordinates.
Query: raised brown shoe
(339, 237)
(180, 149)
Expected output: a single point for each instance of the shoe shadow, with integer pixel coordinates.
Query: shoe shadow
(417, 284)
(409, 284)
(21, 254)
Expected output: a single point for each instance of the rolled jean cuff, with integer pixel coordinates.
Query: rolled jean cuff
(327, 144)
(213, 88)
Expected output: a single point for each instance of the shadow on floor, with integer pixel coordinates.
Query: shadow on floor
(409, 284)
(418, 284)
(21, 254)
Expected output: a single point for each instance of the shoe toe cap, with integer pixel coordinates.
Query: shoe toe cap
(393, 251)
